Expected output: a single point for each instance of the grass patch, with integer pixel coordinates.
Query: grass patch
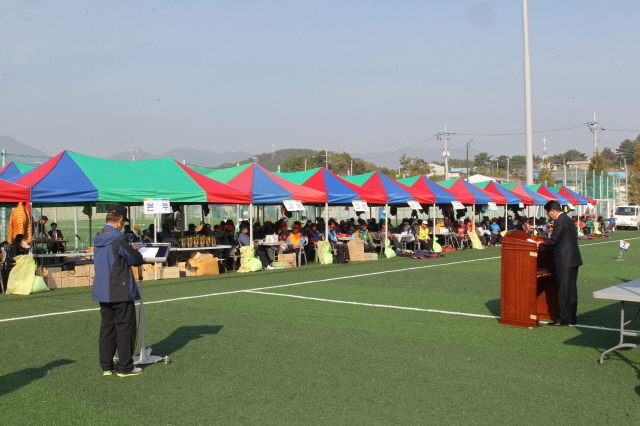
(249, 358)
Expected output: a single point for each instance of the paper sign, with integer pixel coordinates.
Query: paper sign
(104, 207)
(156, 205)
(521, 205)
(492, 206)
(360, 206)
(414, 205)
(148, 252)
(571, 206)
(293, 205)
(457, 205)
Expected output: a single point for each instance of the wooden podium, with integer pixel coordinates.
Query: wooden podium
(529, 289)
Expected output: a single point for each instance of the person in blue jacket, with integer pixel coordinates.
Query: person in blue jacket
(114, 287)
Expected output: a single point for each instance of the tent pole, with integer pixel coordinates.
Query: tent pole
(251, 223)
(90, 225)
(433, 218)
(326, 221)
(183, 219)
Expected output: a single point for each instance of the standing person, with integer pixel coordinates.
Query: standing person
(114, 287)
(567, 259)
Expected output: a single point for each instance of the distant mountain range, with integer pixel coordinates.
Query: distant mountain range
(17, 151)
(196, 157)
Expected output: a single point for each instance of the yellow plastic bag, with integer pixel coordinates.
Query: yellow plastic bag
(325, 254)
(248, 263)
(388, 251)
(23, 276)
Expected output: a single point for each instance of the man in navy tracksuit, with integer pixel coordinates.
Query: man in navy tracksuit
(115, 288)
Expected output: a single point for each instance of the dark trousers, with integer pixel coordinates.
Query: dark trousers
(117, 331)
(567, 294)
(342, 250)
(426, 245)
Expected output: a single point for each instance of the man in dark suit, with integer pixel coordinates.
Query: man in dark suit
(56, 235)
(567, 259)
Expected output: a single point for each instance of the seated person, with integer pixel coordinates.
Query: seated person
(394, 243)
(258, 233)
(148, 234)
(191, 231)
(21, 245)
(165, 233)
(243, 238)
(526, 227)
(461, 233)
(496, 238)
(314, 237)
(131, 235)
(56, 235)
(424, 242)
(295, 240)
(341, 248)
(364, 235)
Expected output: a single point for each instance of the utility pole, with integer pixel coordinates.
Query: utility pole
(626, 183)
(564, 168)
(593, 126)
(305, 163)
(508, 169)
(326, 159)
(468, 145)
(133, 152)
(446, 153)
(351, 172)
(527, 93)
(544, 150)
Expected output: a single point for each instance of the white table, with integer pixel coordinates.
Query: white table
(626, 292)
(347, 238)
(216, 247)
(67, 254)
(273, 243)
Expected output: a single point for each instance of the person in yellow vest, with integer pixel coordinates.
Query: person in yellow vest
(423, 237)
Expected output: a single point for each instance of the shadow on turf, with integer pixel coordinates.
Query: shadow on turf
(183, 335)
(14, 381)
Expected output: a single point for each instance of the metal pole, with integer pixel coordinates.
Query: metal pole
(527, 93)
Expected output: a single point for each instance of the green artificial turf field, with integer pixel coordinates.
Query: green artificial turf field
(330, 345)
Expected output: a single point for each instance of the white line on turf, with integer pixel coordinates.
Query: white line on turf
(375, 305)
(257, 289)
(437, 311)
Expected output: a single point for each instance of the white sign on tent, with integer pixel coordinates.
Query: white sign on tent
(360, 206)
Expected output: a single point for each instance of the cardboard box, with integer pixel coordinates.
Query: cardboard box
(201, 255)
(369, 256)
(84, 281)
(170, 272)
(149, 272)
(204, 266)
(53, 282)
(288, 259)
(84, 271)
(356, 250)
(186, 271)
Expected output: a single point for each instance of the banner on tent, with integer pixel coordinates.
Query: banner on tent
(571, 206)
(157, 205)
(104, 207)
(293, 205)
(492, 206)
(360, 206)
(414, 205)
(457, 205)
(521, 205)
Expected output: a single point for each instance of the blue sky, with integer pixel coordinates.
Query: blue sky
(358, 76)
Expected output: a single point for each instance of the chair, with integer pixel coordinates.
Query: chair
(234, 255)
(303, 252)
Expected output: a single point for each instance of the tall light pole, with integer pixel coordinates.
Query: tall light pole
(133, 152)
(527, 93)
(468, 145)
